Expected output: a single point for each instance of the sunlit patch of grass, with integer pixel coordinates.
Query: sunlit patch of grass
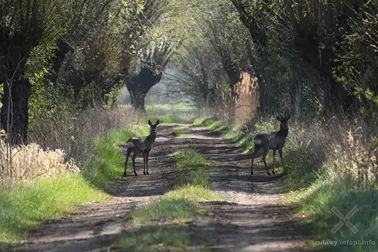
(167, 209)
(182, 136)
(177, 131)
(193, 168)
(191, 192)
(24, 207)
(156, 238)
(219, 126)
(181, 128)
(205, 121)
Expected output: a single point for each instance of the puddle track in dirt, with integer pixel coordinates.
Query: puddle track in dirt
(250, 219)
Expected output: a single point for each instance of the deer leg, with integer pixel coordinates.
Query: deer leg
(252, 167)
(274, 161)
(147, 154)
(127, 157)
(266, 167)
(144, 163)
(134, 157)
(280, 152)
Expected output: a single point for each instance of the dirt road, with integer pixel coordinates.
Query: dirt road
(250, 219)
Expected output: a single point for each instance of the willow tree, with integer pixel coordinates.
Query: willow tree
(150, 67)
(300, 39)
(23, 26)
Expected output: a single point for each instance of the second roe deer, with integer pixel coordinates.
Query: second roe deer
(141, 145)
(271, 141)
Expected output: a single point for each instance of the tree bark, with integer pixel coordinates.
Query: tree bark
(140, 103)
(14, 112)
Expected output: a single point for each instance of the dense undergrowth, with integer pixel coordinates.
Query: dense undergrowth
(25, 205)
(328, 169)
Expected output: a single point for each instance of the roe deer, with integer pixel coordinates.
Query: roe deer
(274, 141)
(143, 145)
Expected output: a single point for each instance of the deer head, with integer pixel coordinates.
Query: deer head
(283, 119)
(153, 126)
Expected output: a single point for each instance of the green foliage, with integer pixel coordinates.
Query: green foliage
(358, 56)
(25, 206)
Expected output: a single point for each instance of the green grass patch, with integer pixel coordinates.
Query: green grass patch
(107, 164)
(25, 206)
(179, 107)
(204, 121)
(191, 192)
(156, 238)
(177, 131)
(192, 167)
(186, 108)
(166, 209)
(315, 205)
(181, 128)
(182, 136)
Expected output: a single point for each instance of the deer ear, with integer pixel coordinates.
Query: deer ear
(157, 122)
(149, 123)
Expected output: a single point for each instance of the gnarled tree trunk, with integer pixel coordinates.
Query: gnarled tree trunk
(14, 112)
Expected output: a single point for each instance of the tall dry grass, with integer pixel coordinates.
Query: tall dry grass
(341, 148)
(77, 135)
(58, 147)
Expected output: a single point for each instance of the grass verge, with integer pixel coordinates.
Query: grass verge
(314, 206)
(106, 164)
(24, 207)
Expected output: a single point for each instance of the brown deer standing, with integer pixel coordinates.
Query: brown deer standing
(274, 141)
(141, 145)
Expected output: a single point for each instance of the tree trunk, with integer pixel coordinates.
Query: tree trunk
(14, 112)
(139, 103)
